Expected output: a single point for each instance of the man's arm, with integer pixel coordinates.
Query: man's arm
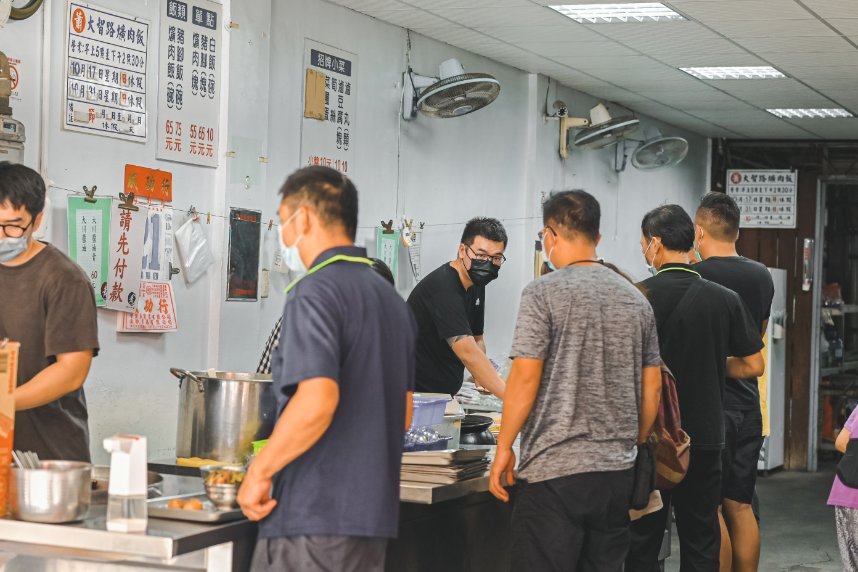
(525, 377)
(650, 399)
(751, 366)
(55, 381)
(481, 343)
(477, 362)
(306, 418)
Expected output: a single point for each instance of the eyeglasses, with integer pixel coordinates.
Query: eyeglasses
(496, 259)
(15, 231)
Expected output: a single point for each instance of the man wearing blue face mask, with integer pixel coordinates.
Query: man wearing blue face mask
(47, 304)
(449, 305)
(342, 376)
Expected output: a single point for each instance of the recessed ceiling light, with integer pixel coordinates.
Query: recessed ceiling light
(809, 113)
(615, 13)
(735, 72)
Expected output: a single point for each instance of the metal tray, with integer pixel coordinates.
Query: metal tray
(157, 508)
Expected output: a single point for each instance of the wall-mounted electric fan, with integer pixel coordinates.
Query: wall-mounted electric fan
(453, 94)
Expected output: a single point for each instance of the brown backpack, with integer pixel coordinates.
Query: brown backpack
(670, 444)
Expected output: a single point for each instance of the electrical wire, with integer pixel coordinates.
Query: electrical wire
(188, 211)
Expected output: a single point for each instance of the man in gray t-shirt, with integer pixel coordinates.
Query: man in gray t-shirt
(584, 390)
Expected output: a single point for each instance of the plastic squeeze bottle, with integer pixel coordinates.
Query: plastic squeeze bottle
(127, 489)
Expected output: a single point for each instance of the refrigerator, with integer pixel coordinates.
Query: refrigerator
(774, 380)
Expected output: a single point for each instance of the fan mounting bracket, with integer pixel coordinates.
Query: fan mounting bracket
(567, 123)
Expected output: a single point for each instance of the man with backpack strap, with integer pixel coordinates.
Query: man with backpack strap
(700, 326)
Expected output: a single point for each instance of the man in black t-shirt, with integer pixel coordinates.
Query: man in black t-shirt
(715, 241)
(449, 305)
(700, 326)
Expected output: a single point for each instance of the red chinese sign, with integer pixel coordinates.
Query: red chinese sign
(149, 183)
(155, 313)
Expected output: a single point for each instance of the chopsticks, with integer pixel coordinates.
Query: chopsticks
(26, 459)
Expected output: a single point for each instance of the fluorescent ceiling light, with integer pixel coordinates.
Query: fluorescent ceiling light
(809, 113)
(735, 72)
(614, 13)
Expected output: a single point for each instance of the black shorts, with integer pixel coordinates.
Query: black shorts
(743, 432)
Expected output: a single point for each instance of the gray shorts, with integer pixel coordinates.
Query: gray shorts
(319, 554)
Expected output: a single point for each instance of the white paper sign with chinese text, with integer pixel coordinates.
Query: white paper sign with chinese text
(766, 198)
(155, 312)
(330, 141)
(158, 243)
(122, 287)
(105, 69)
(189, 81)
(88, 239)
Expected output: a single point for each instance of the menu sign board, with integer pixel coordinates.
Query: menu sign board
(105, 68)
(766, 198)
(329, 139)
(189, 81)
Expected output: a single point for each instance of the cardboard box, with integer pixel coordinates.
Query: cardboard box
(9, 352)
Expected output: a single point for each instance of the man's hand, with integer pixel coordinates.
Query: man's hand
(504, 464)
(254, 497)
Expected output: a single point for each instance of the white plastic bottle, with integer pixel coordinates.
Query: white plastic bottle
(127, 489)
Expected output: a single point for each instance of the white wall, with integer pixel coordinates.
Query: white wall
(496, 162)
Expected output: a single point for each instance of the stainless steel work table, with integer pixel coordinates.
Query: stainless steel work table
(166, 544)
(420, 493)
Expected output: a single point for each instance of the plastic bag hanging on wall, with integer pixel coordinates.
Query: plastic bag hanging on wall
(195, 253)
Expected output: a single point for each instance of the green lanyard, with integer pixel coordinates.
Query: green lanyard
(682, 269)
(337, 258)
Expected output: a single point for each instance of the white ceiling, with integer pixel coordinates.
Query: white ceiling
(813, 42)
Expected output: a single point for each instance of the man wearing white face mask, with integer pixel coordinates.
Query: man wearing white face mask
(47, 304)
(342, 377)
(700, 324)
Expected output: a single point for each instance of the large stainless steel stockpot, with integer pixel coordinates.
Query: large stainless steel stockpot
(221, 413)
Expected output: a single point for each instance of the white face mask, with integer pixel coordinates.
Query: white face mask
(650, 265)
(11, 248)
(290, 254)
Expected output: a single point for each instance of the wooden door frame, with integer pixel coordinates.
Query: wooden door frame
(816, 316)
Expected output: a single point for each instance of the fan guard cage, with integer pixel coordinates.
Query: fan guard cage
(458, 95)
(660, 153)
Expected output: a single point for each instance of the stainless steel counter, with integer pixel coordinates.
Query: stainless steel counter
(420, 493)
(164, 541)
(408, 492)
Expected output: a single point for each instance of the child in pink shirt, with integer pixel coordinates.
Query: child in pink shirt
(845, 502)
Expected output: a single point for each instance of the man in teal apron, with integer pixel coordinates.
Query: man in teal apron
(326, 486)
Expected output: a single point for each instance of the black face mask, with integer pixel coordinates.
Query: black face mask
(483, 271)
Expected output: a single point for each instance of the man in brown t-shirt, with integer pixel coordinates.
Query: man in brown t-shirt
(47, 304)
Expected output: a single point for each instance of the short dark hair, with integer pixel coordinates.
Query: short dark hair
(383, 270)
(575, 212)
(330, 192)
(22, 187)
(672, 225)
(489, 228)
(722, 215)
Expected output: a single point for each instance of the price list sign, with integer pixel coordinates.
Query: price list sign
(766, 198)
(189, 82)
(106, 55)
(329, 140)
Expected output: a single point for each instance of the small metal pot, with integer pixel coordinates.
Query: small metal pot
(222, 413)
(59, 491)
(475, 430)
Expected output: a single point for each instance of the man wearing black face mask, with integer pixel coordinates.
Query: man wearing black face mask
(449, 306)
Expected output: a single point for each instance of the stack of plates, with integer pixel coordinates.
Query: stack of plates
(443, 467)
